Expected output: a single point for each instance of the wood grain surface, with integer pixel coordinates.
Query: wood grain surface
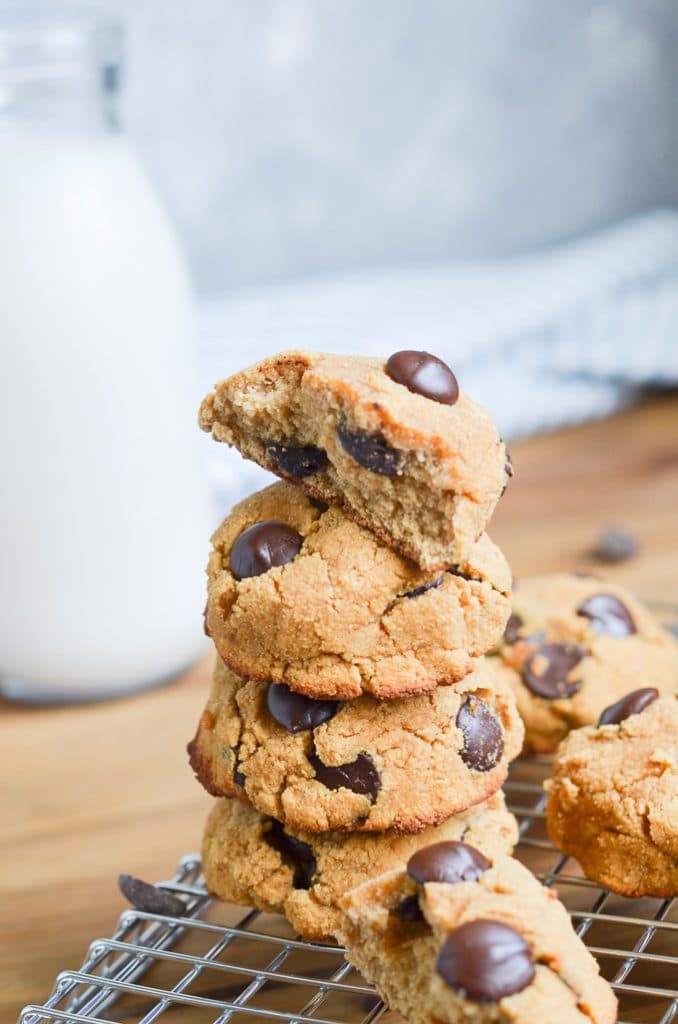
(93, 790)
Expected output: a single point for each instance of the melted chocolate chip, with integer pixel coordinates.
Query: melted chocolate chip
(298, 461)
(360, 776)
(238, 776)
(295, 712)
(298, 855)
(449, 862)
(486, 960)
(408, 909)
(513, 627)
(615, 545)
(418, 591)
(482, 732)
(425, 375)
(608, 615)
(262, 546)
(370, 451)
(632, 704)
(150, 898)
(547, 669)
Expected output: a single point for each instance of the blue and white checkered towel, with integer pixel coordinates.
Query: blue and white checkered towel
(551, 339)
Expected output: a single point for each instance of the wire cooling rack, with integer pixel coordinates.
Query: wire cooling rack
(217, 963)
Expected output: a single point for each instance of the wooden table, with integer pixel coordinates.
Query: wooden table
(94, 790)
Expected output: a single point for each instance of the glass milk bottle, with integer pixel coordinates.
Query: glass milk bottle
(105, 519)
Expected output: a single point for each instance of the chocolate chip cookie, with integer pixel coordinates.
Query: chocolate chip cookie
(361, 765)
(299, 594)
(252, 859)
(573, 645)
(384, 441)
(613, 798)
(460, 935)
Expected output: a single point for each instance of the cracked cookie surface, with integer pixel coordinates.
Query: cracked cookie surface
(362, 765)
(489, 944)
(346, 614)
(350, 435)
(573, 646)
(613, 800)
(247, 859)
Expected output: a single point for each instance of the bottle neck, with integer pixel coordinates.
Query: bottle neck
(59, 74)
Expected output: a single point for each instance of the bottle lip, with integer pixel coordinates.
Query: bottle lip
(65, 44)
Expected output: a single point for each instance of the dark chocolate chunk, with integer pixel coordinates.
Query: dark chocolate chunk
(297, 460)
(513, 627)
(360, 776)
(204, 622)
(298, 855)
(150, 898)
(238, 776)
(418, 591)
(486, 960)
(608, 615)
(408, 909)
(449, 862)
(370, 451)
(632, 704)
(547, 669)
(615, 545)
(295, 712)
(262, 546)
(483, 735)
(425, 375)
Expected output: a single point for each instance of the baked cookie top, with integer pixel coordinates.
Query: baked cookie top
(252, 859)
(613, 797)
(575, 644)
(300, 594)
(383, 440)
(361, 765)
(457, 935)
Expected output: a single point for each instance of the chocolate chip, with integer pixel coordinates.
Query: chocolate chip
(262, 546)
(486, 960)
(418, 591)
(295, 712)
(546, 670)
(370, 451)
(150, 898)
(204, 622)
(408, 909)
(238, 776)
(425, 375)
(297, 460)
(608, 615)
(483, 737)
(615, 545)
(360, 776)
(632, 704)
(449, 862)
(513, 627)
(298, 855)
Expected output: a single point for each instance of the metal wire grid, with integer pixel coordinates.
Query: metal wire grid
(215, 964)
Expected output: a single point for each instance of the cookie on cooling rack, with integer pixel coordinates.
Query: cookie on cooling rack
(251, 859)
(299, 594)
(613, 799)
(460, 935)
(380, 439)
(573, 645)
(361, 765)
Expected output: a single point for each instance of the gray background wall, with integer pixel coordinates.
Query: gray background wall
(292, 137)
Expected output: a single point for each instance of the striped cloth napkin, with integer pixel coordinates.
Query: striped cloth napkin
(542, 341)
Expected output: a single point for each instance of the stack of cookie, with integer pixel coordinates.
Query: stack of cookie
(353, 719)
